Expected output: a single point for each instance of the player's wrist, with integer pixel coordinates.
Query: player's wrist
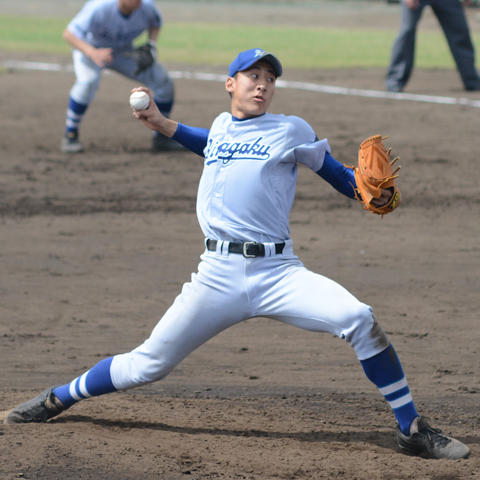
(153, 47)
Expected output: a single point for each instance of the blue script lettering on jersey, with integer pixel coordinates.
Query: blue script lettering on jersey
(226, 151)
(107, 34)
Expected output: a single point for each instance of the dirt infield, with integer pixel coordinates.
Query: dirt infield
(95, 247)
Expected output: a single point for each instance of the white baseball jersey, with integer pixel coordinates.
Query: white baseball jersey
(103, 25)
(248, 184)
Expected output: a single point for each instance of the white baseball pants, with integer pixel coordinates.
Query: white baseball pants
(230, 288)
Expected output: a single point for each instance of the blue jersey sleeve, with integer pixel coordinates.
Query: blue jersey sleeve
(193, 138)
(338, 176)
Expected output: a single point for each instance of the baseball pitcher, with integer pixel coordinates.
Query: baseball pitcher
(249, 268)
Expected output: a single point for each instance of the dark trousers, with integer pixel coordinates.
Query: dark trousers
(452, 19)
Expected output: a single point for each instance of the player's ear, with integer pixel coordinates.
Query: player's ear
(230, 85)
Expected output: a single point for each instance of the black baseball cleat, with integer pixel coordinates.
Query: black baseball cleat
(37, 410)
(70, 143)
(162, 143)
(431, 441)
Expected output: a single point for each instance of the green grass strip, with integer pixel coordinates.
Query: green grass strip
(218, 44)
(32, 34)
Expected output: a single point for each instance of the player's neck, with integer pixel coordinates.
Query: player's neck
(127, 8)
(243, 118)
(125, 11)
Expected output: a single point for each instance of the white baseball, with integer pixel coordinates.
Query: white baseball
(139, 100)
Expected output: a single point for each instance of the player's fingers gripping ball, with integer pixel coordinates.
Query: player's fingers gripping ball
(374, 174)
(139, 100)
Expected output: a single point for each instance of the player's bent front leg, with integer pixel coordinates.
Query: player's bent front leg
(304, 299)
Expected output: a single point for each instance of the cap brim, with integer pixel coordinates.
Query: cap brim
(269, 58)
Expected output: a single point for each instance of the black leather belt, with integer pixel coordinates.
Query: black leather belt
(247, 249)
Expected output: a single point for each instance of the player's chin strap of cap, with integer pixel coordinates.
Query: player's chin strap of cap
(247, 249)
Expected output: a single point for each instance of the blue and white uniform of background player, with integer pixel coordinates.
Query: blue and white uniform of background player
(249, 268)
(101, 34)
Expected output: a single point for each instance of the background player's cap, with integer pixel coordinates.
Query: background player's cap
(246, 59)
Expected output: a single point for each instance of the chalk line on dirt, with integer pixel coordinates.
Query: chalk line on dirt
(312, 87)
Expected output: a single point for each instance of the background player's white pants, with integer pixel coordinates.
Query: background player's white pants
(88, 74)
(229, 288)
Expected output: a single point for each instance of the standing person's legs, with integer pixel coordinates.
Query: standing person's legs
(82, 93)
(403, 51)
(452, 19)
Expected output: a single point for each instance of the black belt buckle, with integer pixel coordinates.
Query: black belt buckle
(245, 246)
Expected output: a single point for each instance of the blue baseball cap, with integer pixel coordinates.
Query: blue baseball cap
(246, 59)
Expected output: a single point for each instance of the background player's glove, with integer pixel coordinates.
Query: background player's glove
(144, 56)
(374, 174)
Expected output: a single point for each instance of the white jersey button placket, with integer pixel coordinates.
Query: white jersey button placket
(217, 191)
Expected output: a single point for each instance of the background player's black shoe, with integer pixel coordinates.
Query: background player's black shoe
(432, 442)
(70, 143)
(37, 410)
(162, 143)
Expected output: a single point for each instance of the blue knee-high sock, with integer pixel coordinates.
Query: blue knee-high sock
(75, 114)
(97, 381)
(386, 372)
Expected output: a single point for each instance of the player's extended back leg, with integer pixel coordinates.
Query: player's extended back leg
(206, 306)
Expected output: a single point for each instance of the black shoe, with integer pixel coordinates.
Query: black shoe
(394, 88)
(38, 410)
(162, 143)
(70, 143)
(432, 442)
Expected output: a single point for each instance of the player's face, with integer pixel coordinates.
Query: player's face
(252, 90)
(128, 6)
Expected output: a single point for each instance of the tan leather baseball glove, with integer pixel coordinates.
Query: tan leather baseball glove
(374, 174)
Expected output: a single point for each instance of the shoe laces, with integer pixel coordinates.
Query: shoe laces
(434, 435)
(46, 403)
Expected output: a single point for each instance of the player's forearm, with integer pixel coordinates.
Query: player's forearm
(153, 34)
(338, 176)
(78, 43)
(164, 125)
